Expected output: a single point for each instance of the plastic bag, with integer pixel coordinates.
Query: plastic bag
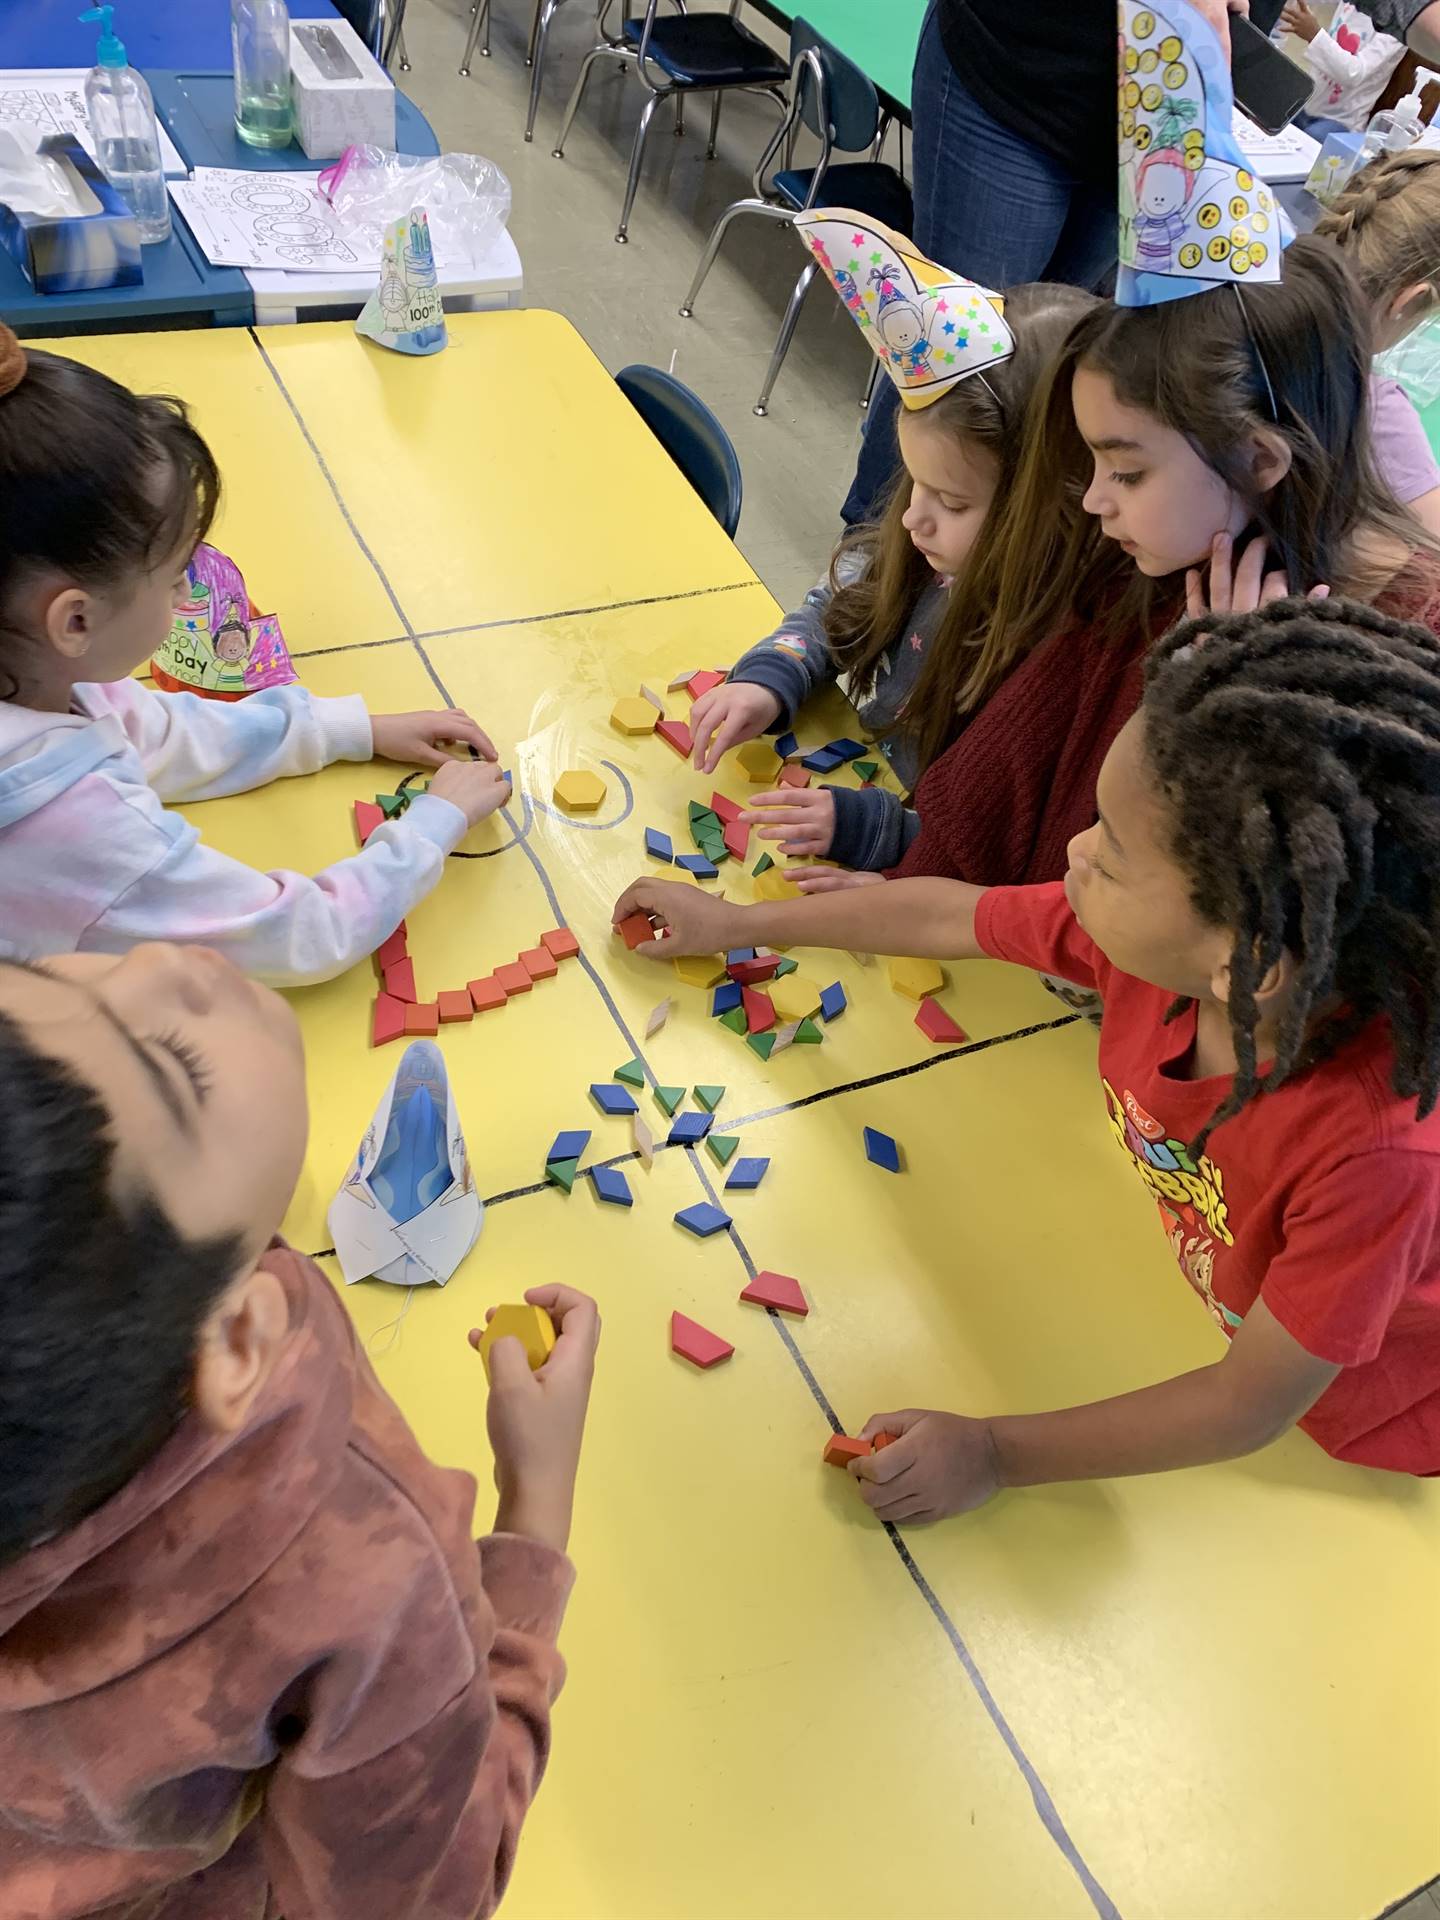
(467, 198)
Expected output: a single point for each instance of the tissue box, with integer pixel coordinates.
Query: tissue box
(1333, 166)
(343, 96)
(97, 246)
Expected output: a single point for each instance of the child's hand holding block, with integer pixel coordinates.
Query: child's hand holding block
(531, 1326)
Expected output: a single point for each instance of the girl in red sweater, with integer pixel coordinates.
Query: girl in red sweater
(1259, 907)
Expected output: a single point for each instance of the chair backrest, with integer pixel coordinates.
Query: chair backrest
(367, 17)
(851, 101)
(690, 434)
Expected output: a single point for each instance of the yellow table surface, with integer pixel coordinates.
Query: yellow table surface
(1212, 1695)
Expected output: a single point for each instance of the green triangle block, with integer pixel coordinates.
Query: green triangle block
(710, 1097)
(787, 965)
(633, 1074)
(808, 1034)
(867, 769)
(763, 1043)
(722, 1145)
(735, 1020)
(699, 811)
(392, 803)
(763, 864)
(715, 851)
(669, 1098)
(561, 1173)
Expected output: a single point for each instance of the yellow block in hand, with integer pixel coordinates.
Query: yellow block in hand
(531, 1326)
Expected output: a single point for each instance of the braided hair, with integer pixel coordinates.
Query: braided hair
(1386, 222)
(1298, 750)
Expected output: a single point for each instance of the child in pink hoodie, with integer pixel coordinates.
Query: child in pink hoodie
(252, 1662)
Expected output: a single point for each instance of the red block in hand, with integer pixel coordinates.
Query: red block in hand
(840, 1450)
(635, 928)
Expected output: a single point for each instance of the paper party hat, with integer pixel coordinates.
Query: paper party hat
(928, 327)
(404, 311)
(408, 1211)
(1192, 214)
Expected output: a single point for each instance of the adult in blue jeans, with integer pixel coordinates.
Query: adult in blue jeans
(1013, 160)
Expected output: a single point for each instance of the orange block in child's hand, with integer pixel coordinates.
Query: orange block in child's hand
(455, 1006)
(635, 928)
(422, 1019)
(840, 1450)
(487, 994)
(883, 1440)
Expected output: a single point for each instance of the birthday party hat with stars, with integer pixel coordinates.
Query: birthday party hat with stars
(927, 327)
(1192, 213)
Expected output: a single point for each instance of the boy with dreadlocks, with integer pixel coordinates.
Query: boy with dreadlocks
(1259, 905)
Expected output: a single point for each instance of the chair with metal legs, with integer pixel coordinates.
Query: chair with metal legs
(691, 435)
(691, 53)
(542, 14)
(835, 99)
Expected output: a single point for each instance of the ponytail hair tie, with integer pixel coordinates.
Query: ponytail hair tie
(13, 361)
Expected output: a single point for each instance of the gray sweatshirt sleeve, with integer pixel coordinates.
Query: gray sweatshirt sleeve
(795, 660)
(873, 827)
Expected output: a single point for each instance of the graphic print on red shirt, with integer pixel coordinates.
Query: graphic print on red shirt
(1321, 1198)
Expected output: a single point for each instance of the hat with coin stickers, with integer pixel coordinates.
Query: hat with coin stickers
(928, 327)
(1192, 213)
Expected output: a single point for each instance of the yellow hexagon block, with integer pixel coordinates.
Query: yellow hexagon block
(757, 761)
(700, 969)
(772, 885)
(916, 978)
(794, 997)
(633, 715)
(579, 792)
(531, 1326)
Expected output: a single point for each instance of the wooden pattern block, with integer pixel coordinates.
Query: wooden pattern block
(676, 734)
(734, 1019)
(777, 1290)
(759, 1010)
(710, 1097)
(669, 1099)
(454, 1007)
(808, 1035)
(658, 845)
(883, 1440)
(840, 1450)
(633, 714)
(793, 776)
(746, 1175)
(702, 1219)
(400, 981)
(579, 791)
(758, 761)
(750, 973)
(635, 929)
(762, 865)
(391, 950)
(689, 1129)
(722, 1145)
(569, 1145)
(632, 1073)
(916, 978)
(776, 885)
(612, 1099)
(935, 1023)
(832, 1001)
(644, 1140)
(725, 811)
(700, 969)
(656, 1019)
(561, 1173)
(487, 994)
(703, 681)
(761, 1043)
(696, 1343)
(389, 1021)
(539, 963)
(367, 818)
(561, 943)
(737, 837)
(700, 864)
(422, 1019)
(725, 997)
(514, 978)
(881, 1150)
(531, 1326)
(794, 997)
(611, 1186)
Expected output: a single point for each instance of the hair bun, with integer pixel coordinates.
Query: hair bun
(13, 361)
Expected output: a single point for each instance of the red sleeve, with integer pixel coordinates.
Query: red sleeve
(425, 1825)
(1355, 1238)
(1034, 927)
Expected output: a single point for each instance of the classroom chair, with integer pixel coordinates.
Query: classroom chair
(837, 102)
(380, 24)
(675, 57)
(541, 15)
(691, 435)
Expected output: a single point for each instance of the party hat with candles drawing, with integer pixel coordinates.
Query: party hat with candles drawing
(405, 310)
(928, 327)
(1192, 213)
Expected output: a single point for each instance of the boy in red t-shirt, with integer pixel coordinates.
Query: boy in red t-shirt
(1259, 905)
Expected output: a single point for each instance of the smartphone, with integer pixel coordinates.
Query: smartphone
(1268, 85)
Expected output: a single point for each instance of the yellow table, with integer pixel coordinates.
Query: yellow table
(1203, 1696)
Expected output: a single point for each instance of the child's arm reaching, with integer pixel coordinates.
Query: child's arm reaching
(945, 1463)
(194, 749)
(286, 928)
(865, 828)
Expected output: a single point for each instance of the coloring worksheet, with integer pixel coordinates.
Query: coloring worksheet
(268, 220)
(54, 101)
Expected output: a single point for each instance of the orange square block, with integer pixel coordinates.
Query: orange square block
(792, 774)
(486, 994)
(454, 1006)
(634, 929)
(422, 1019)
(539, 963)
(561, 942)
(514, 978)
(840, 1450)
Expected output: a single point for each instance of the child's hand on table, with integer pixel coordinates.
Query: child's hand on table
(420, 739)
(697, 923)
(536, 1420)
(477, 787)
(802, 819)
(940, 1464)
(832, 879)
(725, 716)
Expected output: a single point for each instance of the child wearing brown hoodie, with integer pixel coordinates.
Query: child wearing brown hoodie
(252, 1662)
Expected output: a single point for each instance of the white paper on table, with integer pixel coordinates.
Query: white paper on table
(53, 99)
(282, 221)
(427, 1248)
(1287, 155)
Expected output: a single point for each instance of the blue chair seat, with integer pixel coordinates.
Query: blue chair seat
(866, 186)
(710, 50)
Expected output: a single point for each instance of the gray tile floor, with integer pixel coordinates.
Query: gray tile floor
(797, 462)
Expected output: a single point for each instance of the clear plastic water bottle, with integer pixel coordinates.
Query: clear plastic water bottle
(260, 42)
(127, 140)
